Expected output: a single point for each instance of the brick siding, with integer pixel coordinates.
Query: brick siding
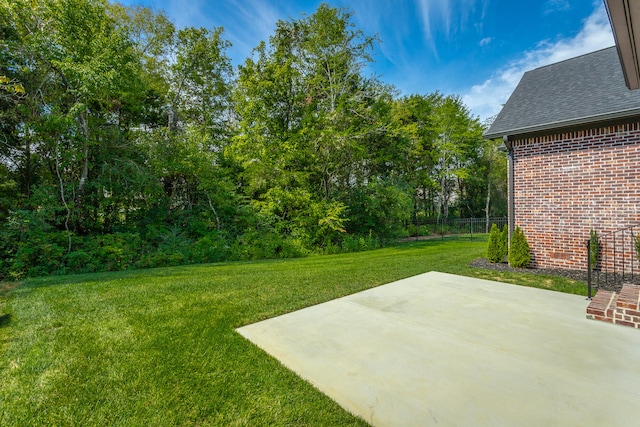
(567, 184)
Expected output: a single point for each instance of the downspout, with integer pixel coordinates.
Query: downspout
(511, 204)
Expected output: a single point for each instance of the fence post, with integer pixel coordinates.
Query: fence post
(589, 269)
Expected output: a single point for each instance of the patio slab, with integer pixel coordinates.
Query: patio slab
(440, 349)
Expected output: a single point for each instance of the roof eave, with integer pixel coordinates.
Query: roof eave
(624, 15)
(560, 125)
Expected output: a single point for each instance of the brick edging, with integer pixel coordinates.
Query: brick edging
(620, 309)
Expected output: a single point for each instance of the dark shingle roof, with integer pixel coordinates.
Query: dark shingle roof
(578, 91)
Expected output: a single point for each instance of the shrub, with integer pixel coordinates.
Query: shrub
(114, 252)
(213, 247)
(593, 254)
(494, 250)
(254, 245)
(159, 259)
(39, 257)
(504, 238)
(358, 243)
(519, 252)
(418, 230)
(80, 261)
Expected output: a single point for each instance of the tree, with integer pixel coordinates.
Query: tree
(405, 153)
(496, 179)
(81, 76)
(307, 114)
(455, 150)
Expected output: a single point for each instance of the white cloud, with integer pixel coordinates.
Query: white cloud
(552, 6)
(184, 15)
(444, 17)
(246, 22)
(486, 99)
(426, 11)
(249, 22)
(485, 41)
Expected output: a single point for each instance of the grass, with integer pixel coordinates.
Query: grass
(158, 347)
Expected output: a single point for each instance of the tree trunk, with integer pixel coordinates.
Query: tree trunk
(64, 200)
(215, 213)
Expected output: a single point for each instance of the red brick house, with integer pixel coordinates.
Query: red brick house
(572, 131)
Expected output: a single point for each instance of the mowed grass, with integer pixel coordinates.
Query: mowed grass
(158, 347)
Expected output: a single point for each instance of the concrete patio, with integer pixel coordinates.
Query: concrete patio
(440, 349)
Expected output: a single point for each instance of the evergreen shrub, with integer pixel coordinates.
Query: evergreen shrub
(494, 252)
(519, 252)
(504, 238)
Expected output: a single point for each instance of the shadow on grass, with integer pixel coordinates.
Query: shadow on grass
(5, 319)
(175, 272)
(435, 241)
(109, 276)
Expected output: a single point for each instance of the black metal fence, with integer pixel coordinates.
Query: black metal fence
(462, 226)
(614, 260)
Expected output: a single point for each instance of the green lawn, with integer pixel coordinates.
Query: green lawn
(158, 347)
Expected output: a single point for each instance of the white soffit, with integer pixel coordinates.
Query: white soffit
(624, 16)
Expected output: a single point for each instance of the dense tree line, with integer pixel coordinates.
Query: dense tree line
(125, 141)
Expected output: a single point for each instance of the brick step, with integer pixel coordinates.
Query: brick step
(619, 308)
(600, 305)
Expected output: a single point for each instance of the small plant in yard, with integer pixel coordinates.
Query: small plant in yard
(636, 241)
(594, 247)
(497, 247)
(519, 252)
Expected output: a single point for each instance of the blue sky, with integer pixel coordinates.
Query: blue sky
(477, 49)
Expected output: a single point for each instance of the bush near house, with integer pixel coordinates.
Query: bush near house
(497, 247)
(505, 239)
(519, 252)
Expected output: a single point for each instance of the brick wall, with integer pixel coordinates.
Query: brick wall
(567, 184)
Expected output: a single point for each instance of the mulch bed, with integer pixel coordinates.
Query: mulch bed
(608, 282)
(570, 274)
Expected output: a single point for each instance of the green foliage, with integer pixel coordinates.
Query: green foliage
(595, 248)
(128, 143)
(361, 243)
(420, 230)
(29, 245)
(505, 238)
(8, 192)
(213, 247)
(497, 247)
(114, 252)
(254, 245)
(380, 208)
(519, 252)
(41, 256)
